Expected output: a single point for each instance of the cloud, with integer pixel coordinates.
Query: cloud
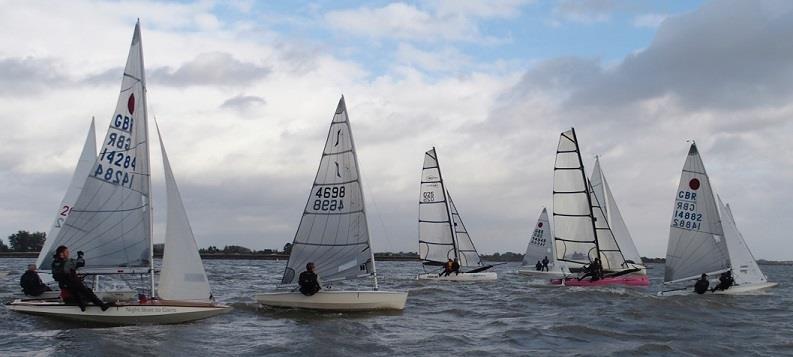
(243, 102)
(585, 11)
(28, 75)
(649, 20)
(211, 68)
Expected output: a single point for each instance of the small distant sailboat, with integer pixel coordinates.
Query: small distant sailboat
(703, 238)
(614, 218)
(107, 213)
(581, 230)
(334, 234)
(541, 246)
(442, 234)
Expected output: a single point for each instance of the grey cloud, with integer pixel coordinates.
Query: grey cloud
(243, 102)
(213, 68)
(727, 54)
(21, 76)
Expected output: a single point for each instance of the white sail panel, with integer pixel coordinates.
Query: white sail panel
(573, 229)
(110, 220)
(333, 232)
(467, 255)
(541, 244)
(84, 166)
(436, 237)
(696, 240)
(612, 212)
(611, 258)
(182, 276)
(744, 267)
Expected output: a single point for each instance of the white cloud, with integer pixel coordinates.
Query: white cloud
(649, 20)
(585, 11)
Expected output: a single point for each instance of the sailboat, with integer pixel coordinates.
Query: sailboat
(703, 238)
(541, 246)
(581, 230)
(334, 234)
(613, 216)
(107, 214)
(442, 234)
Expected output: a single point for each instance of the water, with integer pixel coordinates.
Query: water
(507, 317)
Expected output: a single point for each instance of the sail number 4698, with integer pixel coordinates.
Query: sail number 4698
(329, 198)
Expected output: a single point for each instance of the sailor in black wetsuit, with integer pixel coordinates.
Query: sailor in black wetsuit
(545, 262)
(725, 281)
(701, 286)
(64, 271)
(309, 281)
(595, 270)
(538, 266)
(31, 282)
(456, 267)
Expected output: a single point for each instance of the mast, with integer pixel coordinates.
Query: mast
(363, 199)
(446, 203)
(148, 163)
(589, 188)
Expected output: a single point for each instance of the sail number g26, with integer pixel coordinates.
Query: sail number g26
(329, 198)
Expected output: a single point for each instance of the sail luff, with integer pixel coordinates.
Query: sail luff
(446, 199)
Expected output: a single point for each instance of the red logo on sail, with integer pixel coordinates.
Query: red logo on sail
(539, 225)
(694, 184)
(131, 103)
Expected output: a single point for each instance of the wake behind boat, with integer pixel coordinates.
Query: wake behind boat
(704, 239)
(443, 239)
(334, 234)
(582, 234)
(107, 213)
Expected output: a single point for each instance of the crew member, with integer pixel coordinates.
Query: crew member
(725, 281)
(545, 262)
(31, 282)
(456, 267)
(309, 281)
(538, 266)
(72, 287)
(701, 286)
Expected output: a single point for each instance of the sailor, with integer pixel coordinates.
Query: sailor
(701, 286)
(456, 267)
(309, 281)
(447, 268)
(545, 262)
(538, 266)
(80, 262)
(725, 281)
(31, 282)
(594, 270)
(64, 271)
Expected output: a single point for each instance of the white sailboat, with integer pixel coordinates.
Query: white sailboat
(442, 234)
(703, 238)
(540, 247)
(110, 219)
(581, 230)
(334, 234)
(613, 216)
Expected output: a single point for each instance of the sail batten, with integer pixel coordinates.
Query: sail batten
(333, 232)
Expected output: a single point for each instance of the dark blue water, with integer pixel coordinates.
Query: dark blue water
(507, 317)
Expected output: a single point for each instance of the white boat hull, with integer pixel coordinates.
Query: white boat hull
(745, 289)
(487, 276)
(162, 312)
(336, 300)
(541, 274)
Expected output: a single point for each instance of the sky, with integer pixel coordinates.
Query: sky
(244, 92)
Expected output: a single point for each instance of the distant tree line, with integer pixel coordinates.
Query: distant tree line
(23, 241)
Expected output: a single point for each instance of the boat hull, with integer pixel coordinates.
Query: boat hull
(745, 289)
(487, 276)
(541, 274)
(336, 300)
(623, 280)
(161, 312)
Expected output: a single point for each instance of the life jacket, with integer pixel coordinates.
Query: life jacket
(58, 271)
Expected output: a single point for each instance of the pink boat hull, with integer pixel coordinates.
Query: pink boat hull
(627, 280)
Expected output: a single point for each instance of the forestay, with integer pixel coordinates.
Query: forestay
(574, 228)
(182, 276)
(696, 239)
(333, 232)
(744, 267)
(84, 166)
(110, 220)
(436, 236)
(467, 254)
(540, 244)
(610, 208)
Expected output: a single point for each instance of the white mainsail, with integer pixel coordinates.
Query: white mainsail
(467, 254)
(696, 238)
(84, 166)
(744, 267)
(182, 276)
(610, 209)
(541, 244)
(333, 232)
(111, 218)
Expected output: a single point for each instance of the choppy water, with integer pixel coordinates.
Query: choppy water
(507, 317)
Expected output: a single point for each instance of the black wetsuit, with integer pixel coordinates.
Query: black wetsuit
(701, 286)
(725, 281)
(309, 284)
(545, 264)
(63, 272)
(32, 285)
(456, 267)
(538, 266)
